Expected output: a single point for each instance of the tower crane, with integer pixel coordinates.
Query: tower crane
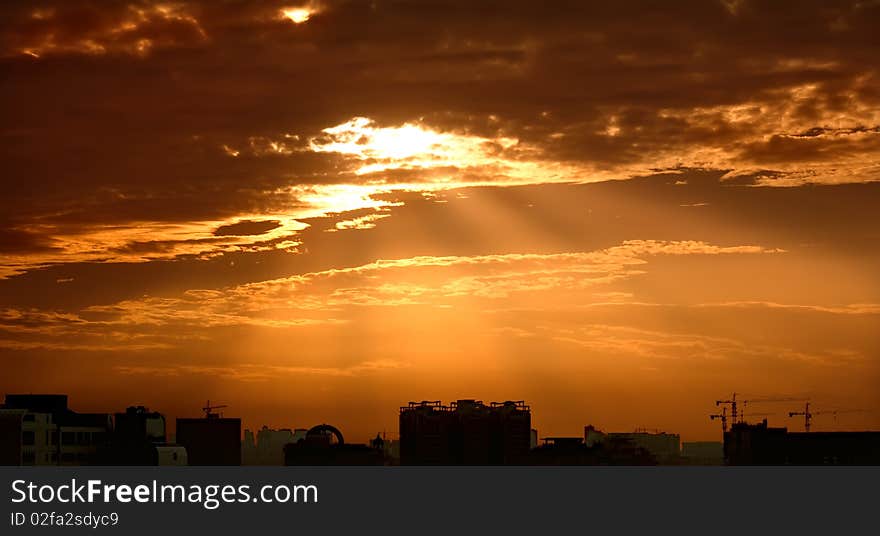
(769, 399)
(208, 409)
(737, 406)
(723, 417)
(730, 402)
(835, 412)
(808, 415)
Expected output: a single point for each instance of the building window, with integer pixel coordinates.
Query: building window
(27, 458)
(68, 438)
(27, 438)
(29, 417)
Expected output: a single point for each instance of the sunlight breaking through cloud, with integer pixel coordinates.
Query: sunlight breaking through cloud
(414, 146)
(297, 15)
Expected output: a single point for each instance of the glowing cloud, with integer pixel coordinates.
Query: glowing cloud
(121, 30)
(298, 15)
(414, 146)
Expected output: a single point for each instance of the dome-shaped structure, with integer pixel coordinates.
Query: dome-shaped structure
(324, 433)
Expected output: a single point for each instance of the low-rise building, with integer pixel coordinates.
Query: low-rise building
(664, 447)
(702, 453)
(266, 447)
(40, 429)
(325, 445)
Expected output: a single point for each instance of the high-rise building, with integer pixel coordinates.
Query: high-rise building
(212, 440)
(467, 432)
(137, 434)
(140, 424)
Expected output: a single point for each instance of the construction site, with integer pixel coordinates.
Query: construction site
(757, 443)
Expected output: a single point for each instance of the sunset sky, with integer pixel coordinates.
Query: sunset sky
(618, 211)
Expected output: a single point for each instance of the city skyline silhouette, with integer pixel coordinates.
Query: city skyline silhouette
(43, 430)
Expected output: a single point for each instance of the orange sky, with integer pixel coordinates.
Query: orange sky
(319, 212)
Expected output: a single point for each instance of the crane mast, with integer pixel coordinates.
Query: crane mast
(732, 403)
(808, 416)
(723, 417)
(209, 410)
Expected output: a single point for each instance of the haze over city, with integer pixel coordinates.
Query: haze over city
(317, 212)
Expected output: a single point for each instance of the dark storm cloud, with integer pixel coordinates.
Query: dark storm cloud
(52, 28)
(816, 144)
(18, 241)
(247, 227)
(148, 247)
(125, 112)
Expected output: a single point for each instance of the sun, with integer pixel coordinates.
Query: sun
(298, 15)
(412, 146)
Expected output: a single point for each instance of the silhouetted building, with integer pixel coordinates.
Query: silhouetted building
(267, 447)
(426, 434)
(324, 445)
(392, 452)
(564, 451)
(593, 436)
(213, 440)
(511, 439)
(702, 453)
(170, 455)
(759, 444)
(27, 438)
(139, 439)
(466, 432)
(249, 448)
(390, 449)
(55, 404)
(10, 437)
(662, 447)
(139, 424)
(41, 430)
(82, 437)
(575, 451)
(665, 448)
